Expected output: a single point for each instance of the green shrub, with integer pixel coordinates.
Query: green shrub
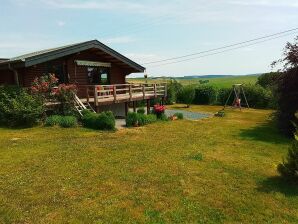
(187, 95)
(68, 121)
(137, 119)
(163, 117)
(179, 116)
(141, 111)
(205, 95)
(268, 79)
(101, 121)
(53, 120)
(131, 119)
(19, 108)
(174, 88)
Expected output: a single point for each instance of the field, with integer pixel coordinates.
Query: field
(216, 170)
(217, 82)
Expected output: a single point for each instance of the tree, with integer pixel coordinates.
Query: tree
(287, 88)
(289, 168)
(268, 79)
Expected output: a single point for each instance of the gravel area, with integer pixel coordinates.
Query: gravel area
(187, 114)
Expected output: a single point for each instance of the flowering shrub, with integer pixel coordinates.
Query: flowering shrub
(46, 87)
(43, 86)
(159, 110)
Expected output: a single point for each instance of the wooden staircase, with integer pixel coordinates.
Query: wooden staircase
(80, 106)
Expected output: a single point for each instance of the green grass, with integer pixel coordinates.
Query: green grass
(217, 82)
(216, 170)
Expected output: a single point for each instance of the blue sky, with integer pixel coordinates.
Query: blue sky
(153, 30)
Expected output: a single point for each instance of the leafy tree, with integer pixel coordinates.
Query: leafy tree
(287, 88)
(268, 79)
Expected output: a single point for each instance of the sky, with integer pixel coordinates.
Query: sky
(152, 30)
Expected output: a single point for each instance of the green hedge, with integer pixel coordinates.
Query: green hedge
(62, 121)
(137, 119)
(101, 121)
(205, 95)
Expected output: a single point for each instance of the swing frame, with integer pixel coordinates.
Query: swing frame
(237, 89)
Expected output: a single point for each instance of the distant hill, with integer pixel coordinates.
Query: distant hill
(203, 76)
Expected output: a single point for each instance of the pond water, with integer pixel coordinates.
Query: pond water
(187, 114)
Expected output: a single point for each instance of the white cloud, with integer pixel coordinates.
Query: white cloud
(61, 23)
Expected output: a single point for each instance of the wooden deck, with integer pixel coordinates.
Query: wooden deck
(120, 93)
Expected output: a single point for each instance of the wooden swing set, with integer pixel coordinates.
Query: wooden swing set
(237, 90)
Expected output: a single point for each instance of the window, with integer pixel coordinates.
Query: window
(98, 75)
(59, 71)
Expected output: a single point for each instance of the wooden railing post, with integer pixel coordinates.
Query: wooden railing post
(166, 89)
(114, 92)
(95, 96)
(143, 90)
(155, 93)
(130, 92)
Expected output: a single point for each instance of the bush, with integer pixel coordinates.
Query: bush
(163, 117)
(141, 111)
(53, 120)
(187, 95)
(173, 90)
(222, 96)
(258, 97)
(179, 116)
(137, 119)
(101, 121)
(289, 168)
(68, 121)
(19, 108)
(205, 95)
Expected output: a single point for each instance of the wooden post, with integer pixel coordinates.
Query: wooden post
(87, 94)
(166, 90)
(95, 96)
(148, 106)
(126, 109)
(114, 92)
(130, 93)
(155, 94)
(143, 89)
(134, 106)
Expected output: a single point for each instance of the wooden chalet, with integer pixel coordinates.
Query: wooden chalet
(98, 71)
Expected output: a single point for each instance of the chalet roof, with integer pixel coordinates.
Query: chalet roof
(42, 56)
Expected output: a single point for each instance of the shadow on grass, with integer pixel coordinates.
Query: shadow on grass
(278, 184)
(266, 132)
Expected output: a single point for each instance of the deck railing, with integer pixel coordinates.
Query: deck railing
(104, 94)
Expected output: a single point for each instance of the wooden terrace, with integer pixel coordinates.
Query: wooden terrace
(121, 93)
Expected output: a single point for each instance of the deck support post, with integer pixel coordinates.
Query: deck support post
(126, 109)
(95, 96)
(162, 101)
(143, 89)
(114, 92)
(134, 106)
(148, 106)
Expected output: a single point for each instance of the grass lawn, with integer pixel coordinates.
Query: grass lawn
(216, 170)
